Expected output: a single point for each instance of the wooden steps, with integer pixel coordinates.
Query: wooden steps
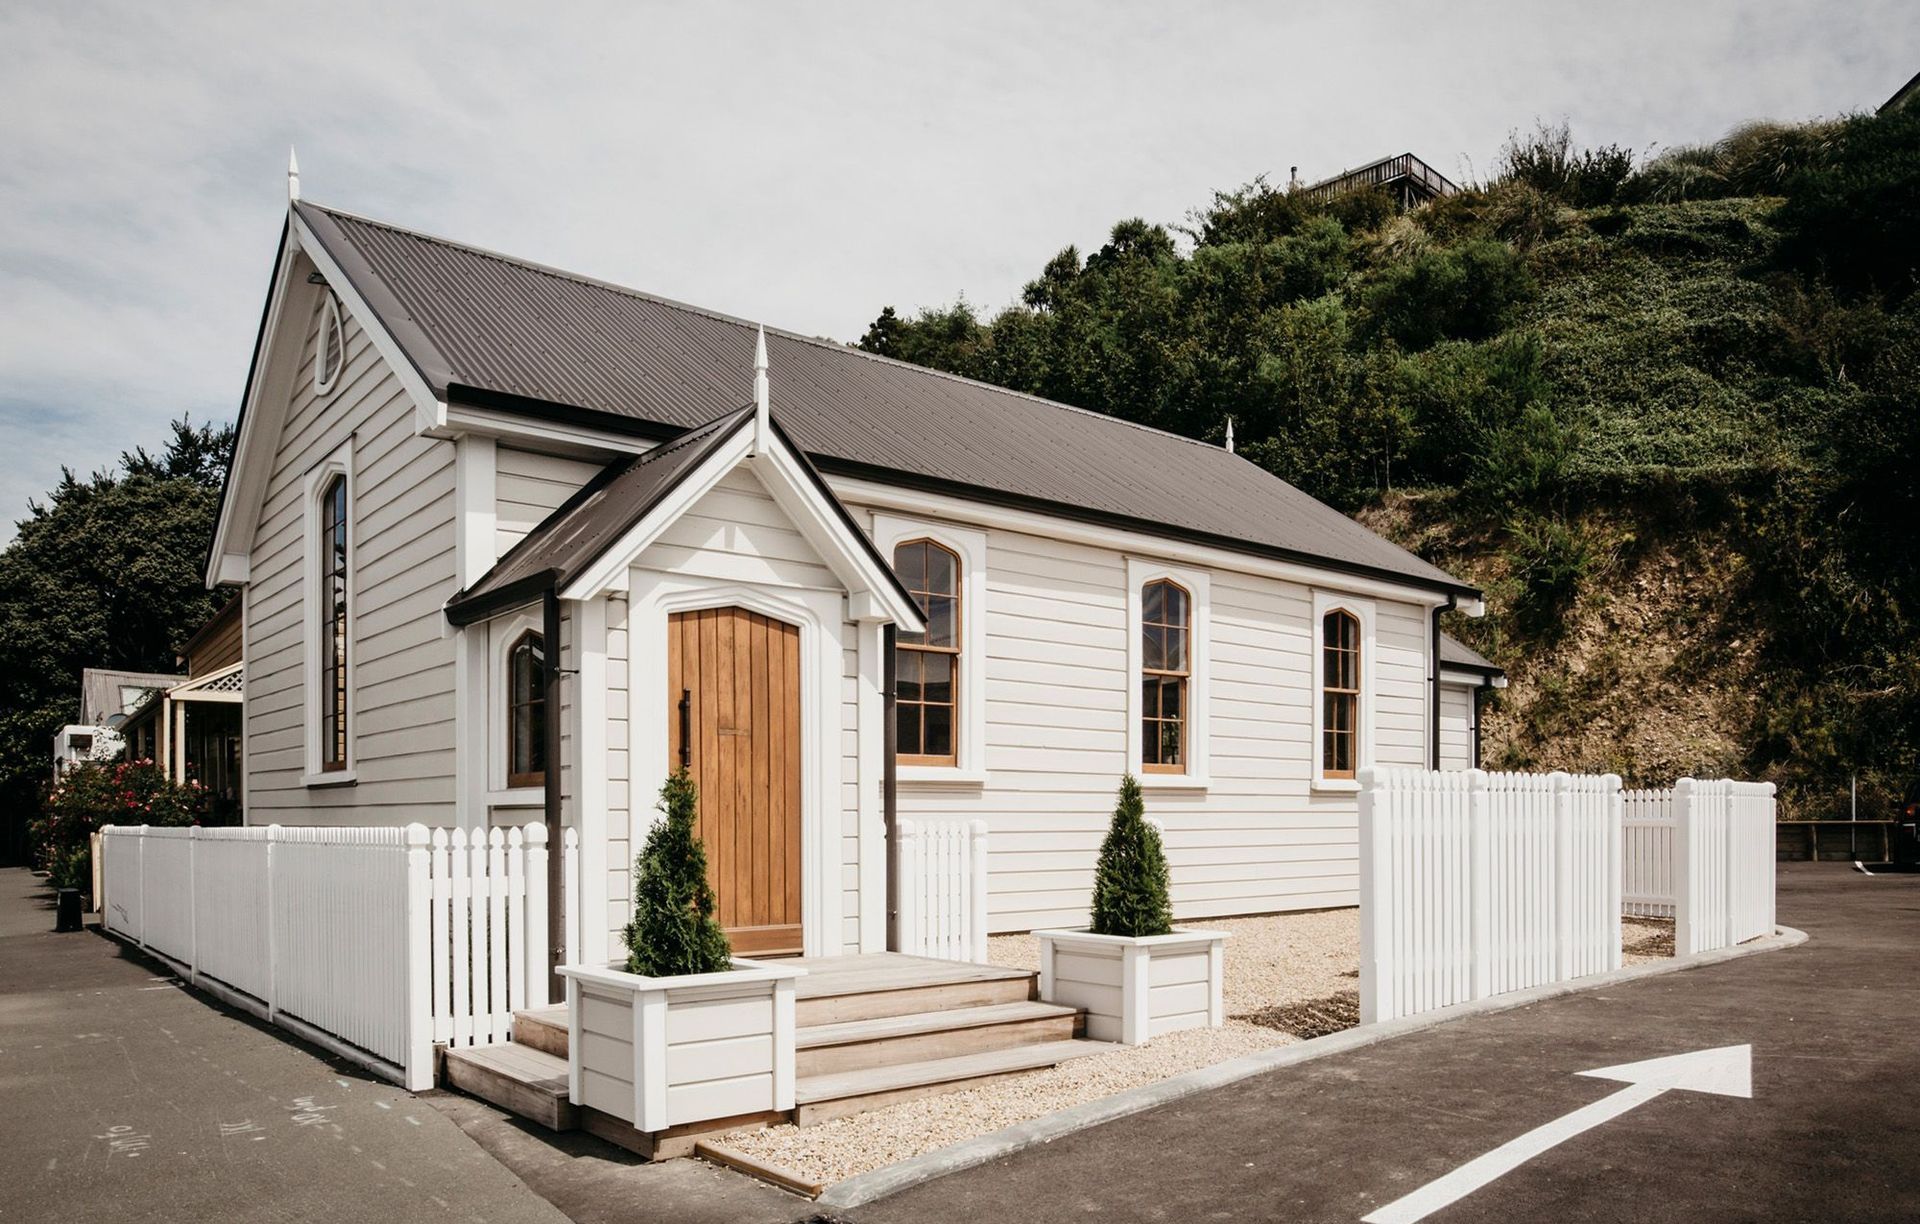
(517, 1078)
(543, 1028)
(828, 1049)
(821, 1098)
(870, 1031)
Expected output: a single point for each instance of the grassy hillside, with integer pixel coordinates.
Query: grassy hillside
(1665, 412)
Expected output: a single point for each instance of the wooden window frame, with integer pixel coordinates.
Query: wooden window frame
(954, 653)
(1184, 675)
(336, 565)
(1352, 696)
(516, 708)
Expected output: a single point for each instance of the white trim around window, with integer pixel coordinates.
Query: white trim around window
(334, 327)
(339, 463)
(502, 633)
(970, 722)
(1199, 587)
(1362, 610)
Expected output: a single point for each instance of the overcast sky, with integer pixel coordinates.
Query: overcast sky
(805, 164)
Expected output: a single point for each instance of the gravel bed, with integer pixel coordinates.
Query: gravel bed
(1645, 939)
(1281, 969)
(1290, 977)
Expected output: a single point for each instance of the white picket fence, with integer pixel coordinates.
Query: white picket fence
(1646, 853)
(942, 869)
(1723, 863)
(1473, 884)
(389, 940)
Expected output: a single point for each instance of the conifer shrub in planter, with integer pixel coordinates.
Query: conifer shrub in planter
(681, 1032)
(1132, 971)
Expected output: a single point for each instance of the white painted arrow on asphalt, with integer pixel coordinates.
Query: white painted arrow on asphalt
(1726, 1071)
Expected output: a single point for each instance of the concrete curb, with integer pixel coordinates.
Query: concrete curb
(866, 1187)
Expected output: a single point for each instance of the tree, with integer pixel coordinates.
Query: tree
(107, 572)
(1130, 880)
(673, 930)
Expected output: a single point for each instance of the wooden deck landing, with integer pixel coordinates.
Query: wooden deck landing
(864, 974)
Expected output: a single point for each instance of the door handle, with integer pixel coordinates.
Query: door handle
(686, 728)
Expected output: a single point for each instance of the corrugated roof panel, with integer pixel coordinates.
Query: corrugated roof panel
(496, 324)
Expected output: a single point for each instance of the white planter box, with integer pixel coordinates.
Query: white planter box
(1135, 989)
(658, 1052)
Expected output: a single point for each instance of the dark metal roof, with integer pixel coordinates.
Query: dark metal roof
(1458, 655)
(497, 332)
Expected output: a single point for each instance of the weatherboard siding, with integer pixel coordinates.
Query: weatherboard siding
(1456, 726)
(401, 694)
(529, 486)
(1258, 838)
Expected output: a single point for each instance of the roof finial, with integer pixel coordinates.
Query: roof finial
(1229, 435)
(293, 176)
(762, 411)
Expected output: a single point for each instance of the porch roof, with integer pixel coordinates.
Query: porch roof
(567, 544)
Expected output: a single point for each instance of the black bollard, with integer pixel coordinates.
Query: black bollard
(66, 912)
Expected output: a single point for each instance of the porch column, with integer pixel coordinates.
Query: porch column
(589, 732)
(178, 709)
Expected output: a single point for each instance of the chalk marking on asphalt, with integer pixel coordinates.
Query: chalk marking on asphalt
(1725, 1071)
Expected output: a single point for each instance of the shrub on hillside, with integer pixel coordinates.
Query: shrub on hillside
(1469, 291)
(673, 930)
(92, 795)
(1547, 160)
(1551, 559)
(1130, 888)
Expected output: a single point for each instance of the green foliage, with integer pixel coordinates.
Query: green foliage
(1130, 886)
(1470, 291)
(1552, 560)
(91, 795)
(1547, 160)
(673, 930)
(107, 572)
(1718, 345)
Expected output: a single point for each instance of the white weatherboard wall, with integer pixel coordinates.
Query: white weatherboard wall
(1475, 884)
(1259, 837)
(529, 486)
(1456, 726)
(387, 940)
(401, 524)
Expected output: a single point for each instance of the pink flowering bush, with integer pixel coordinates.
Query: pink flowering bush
(90, 795)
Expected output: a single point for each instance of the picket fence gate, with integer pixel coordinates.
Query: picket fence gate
(942, 869)
(1474, 884)
(1723, 863)
(1646, 854)
(389, 940)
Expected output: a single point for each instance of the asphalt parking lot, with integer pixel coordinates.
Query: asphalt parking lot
(1831, 1131)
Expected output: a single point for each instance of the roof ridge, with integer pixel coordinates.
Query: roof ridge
(581, 278)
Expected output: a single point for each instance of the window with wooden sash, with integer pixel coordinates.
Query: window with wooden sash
(927, 665)
(1339, 694)
(1166, 666)
(527, 711)
(333, 625)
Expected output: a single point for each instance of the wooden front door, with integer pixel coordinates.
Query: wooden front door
(733, 718)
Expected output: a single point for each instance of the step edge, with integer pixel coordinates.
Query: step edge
(949, 1021)
(1040, 1056)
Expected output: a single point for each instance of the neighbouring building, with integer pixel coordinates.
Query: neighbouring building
(191, 727)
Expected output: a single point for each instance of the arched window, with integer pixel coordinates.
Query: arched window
(333, 625)
(1166, 664)
(332, 351)
(527, 711)
(1339, 694)
(927, 676)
